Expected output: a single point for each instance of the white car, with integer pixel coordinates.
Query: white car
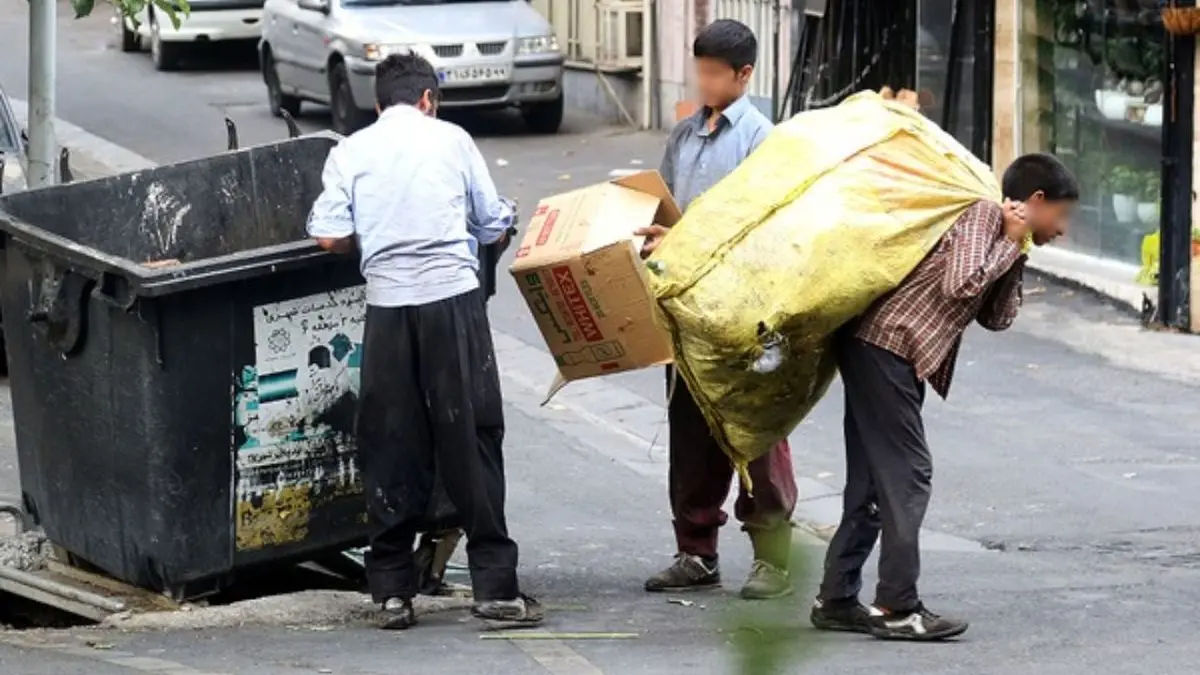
(12, 150)
(207, 21)
(488, 54)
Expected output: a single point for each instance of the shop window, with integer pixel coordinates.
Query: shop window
(935, 43)
(1091, 93)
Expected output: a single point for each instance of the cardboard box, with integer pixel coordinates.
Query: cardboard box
(580, 270)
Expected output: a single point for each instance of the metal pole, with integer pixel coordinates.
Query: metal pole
(776, 16)
(42, 50)
(1175, 225)
(958, 26)
(649, 82)
(981, 98)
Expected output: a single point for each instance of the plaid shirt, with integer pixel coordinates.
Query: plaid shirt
(973, 273)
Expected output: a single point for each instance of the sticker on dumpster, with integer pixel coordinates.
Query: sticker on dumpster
(294, 413)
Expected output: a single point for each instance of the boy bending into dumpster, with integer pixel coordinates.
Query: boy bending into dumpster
(704, 148)
(413, 194)
(906, 339)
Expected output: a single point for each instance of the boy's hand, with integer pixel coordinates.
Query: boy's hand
(1015, 226)
(654, 235)
(907, 97)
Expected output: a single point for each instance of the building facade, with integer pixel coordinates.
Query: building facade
(630, 60)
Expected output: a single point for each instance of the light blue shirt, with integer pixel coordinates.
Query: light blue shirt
(697, 159)
(417, 196)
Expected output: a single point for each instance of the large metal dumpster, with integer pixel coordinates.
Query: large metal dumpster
(184, 367)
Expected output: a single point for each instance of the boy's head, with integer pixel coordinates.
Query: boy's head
(406, 79)
(725, 52)
(1049, 191)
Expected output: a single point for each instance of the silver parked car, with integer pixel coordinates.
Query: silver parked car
(488, 54)
(13, 162)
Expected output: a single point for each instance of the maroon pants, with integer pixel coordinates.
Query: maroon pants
(700, 475)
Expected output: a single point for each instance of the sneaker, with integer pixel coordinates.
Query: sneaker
(688, 573)
(919, 624)
(767, 582)
(397, 614)
(844, 616)
(523, 612)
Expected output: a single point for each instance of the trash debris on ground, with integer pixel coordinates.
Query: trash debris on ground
(526, 635)
(96, 644)
(305, 610)
(26, 552)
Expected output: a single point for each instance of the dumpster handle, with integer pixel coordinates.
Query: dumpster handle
(231, 135)
(59, 308)
(114, 290)
(292, 128)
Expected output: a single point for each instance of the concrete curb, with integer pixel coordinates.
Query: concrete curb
(113, 157)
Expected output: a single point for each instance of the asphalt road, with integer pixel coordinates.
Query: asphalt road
(1065, 517)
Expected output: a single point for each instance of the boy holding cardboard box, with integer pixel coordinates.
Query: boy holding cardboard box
(702, 150)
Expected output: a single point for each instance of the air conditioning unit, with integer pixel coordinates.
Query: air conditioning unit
(619, 44)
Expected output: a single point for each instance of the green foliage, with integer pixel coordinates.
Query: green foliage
(1151, 186)
(773, 637)
(173, 9)
(1125, 180)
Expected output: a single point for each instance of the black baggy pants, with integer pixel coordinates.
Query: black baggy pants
(888, 476)
(430, 408)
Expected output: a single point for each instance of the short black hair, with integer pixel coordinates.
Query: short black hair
(402, 79)
(727, 40)
(1040, 171)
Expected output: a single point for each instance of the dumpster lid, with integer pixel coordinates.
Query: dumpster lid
(180, 226)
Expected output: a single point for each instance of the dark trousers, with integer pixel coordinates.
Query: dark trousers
(430, 408)
(888, 476)
(700, 476)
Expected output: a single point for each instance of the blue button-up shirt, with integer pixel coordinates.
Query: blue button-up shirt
(697, 158)
(417, 196)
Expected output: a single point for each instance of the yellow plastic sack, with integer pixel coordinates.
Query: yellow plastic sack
(832, 211)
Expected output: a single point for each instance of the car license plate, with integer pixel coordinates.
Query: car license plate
(464, 74)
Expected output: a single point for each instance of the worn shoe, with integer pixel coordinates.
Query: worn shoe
(688, 573)
(523, 612)
(767, 582)
(919, 625)
(397, 614)
(844, 616)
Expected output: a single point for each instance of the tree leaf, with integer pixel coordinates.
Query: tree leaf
(83, 7)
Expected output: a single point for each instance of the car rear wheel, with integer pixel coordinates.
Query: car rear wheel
(544, 118)
(164, 55)
(278, 101)
(347, 116)
(130, 40)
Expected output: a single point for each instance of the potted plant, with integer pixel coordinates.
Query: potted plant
(1149, 198)
(1195, 242)
(1124, 183)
